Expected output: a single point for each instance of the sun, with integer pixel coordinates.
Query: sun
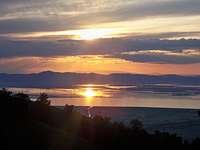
(92, 34)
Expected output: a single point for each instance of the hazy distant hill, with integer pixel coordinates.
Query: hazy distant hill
(50, 79)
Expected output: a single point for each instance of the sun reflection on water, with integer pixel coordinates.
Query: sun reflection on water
(91, 93)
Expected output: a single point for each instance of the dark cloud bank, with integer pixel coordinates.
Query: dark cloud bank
(172, 51)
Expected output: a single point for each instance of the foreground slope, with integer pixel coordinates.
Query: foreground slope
(37, 125)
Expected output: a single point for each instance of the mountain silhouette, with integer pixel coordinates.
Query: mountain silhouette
(49, 79)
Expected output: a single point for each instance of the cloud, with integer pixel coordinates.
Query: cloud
(138, 50)
(34, 16)
(38, 24)
(145, 29)
(186, 56)
(90, 63)
(156, 8)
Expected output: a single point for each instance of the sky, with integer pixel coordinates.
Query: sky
(100, 36)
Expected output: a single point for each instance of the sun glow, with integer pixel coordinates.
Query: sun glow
(81, 34)
(91, 34)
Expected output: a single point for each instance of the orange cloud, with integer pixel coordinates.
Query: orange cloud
(96, 64)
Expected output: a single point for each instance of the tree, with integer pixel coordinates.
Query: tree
(68, 109)
(22, 97)
(136, 124)
(5, 93)
(43, 98)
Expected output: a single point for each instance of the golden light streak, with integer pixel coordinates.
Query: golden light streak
(96, 64)
(134, 28)
(80, 34)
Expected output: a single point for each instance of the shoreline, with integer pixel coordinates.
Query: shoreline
(130, 107)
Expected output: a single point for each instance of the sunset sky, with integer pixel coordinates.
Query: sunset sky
(101, 36)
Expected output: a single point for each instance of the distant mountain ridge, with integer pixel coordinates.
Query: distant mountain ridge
(49, 79)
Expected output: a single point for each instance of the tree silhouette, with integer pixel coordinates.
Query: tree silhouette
(4, 93)
(68, 109)
(136, 124)
(43, 99)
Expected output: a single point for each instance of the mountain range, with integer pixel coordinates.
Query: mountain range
(49, 79)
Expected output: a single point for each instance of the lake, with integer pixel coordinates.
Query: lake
(157, 95)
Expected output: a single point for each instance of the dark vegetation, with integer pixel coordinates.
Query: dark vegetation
(37, 125)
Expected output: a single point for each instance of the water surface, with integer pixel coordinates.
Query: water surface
(163, 96)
